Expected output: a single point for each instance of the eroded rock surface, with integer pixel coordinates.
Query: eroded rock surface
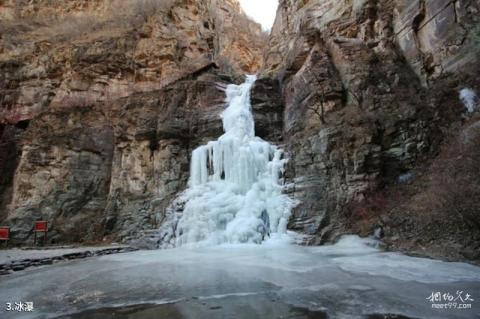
(101, 103)
(369, 89)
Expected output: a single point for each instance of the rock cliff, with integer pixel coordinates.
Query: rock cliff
(101, 102)
(370, 91)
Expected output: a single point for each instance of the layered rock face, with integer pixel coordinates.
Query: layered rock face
(370, 87)
(101, 103)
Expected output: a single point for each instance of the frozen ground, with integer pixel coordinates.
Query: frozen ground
(9, 255)
(273, 280)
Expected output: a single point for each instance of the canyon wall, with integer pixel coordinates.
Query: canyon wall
(101, 103)
(370, 91)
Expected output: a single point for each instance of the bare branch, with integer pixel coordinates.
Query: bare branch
(319, 109)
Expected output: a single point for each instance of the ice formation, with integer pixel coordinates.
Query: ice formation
(469, 99)
(235, 188)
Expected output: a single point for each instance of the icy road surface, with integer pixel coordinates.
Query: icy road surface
(273, 280)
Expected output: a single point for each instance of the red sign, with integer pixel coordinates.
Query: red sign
(41, 226)
(4, 233)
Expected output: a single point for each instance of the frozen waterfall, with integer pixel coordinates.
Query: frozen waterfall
(234, 193)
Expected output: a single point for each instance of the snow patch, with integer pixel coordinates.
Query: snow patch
(469, 99)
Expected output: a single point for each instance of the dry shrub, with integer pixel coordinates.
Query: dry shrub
(72, 27)
(144, 9)
(363, 214)
(123, 14)
(454, 189)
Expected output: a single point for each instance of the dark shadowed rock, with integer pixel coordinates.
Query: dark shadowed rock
(100, 108)
(369, 89)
